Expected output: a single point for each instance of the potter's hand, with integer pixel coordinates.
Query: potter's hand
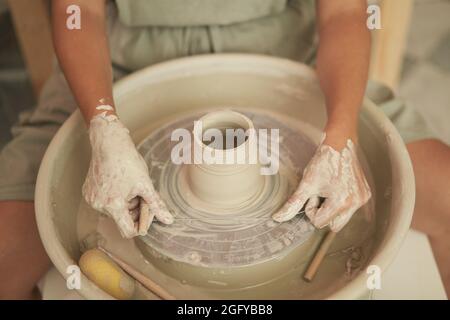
(339, 179)
(118, 182)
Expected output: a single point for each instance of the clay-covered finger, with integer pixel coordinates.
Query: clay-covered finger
(158, 208)
(312, 206)
(292, 207)
(146, 218)
(326, 213)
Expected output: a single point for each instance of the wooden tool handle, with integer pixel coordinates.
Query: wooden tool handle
(145, 281)
(318, 257)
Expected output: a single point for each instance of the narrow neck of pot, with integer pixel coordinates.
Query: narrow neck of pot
(226, 172)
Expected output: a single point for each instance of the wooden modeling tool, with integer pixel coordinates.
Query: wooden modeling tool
(318, 257)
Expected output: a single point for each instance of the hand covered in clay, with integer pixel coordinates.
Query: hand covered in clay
(336, 177)
(118, 182)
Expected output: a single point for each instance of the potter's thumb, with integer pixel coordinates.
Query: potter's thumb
(291, 208)
(145, 217)
(158, 208)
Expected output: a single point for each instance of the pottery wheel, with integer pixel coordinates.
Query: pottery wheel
(244, 236)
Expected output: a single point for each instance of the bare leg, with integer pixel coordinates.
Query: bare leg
(431, 162)
(23, 260)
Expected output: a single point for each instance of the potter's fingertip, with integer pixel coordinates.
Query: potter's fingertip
(142, 233)
(282, 217)
(286, 214)
(165, 218)
(277, 218)
(169, 219)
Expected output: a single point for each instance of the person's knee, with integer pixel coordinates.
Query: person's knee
(22, 257)
(12, 216)
(430, 159)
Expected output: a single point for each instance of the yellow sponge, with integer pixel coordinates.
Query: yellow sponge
(106, 274)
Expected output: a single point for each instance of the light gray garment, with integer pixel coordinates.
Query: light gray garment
(287, 33)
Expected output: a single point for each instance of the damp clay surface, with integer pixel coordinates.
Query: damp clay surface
(235, 253)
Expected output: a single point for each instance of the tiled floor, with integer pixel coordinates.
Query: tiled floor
(425, 82)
